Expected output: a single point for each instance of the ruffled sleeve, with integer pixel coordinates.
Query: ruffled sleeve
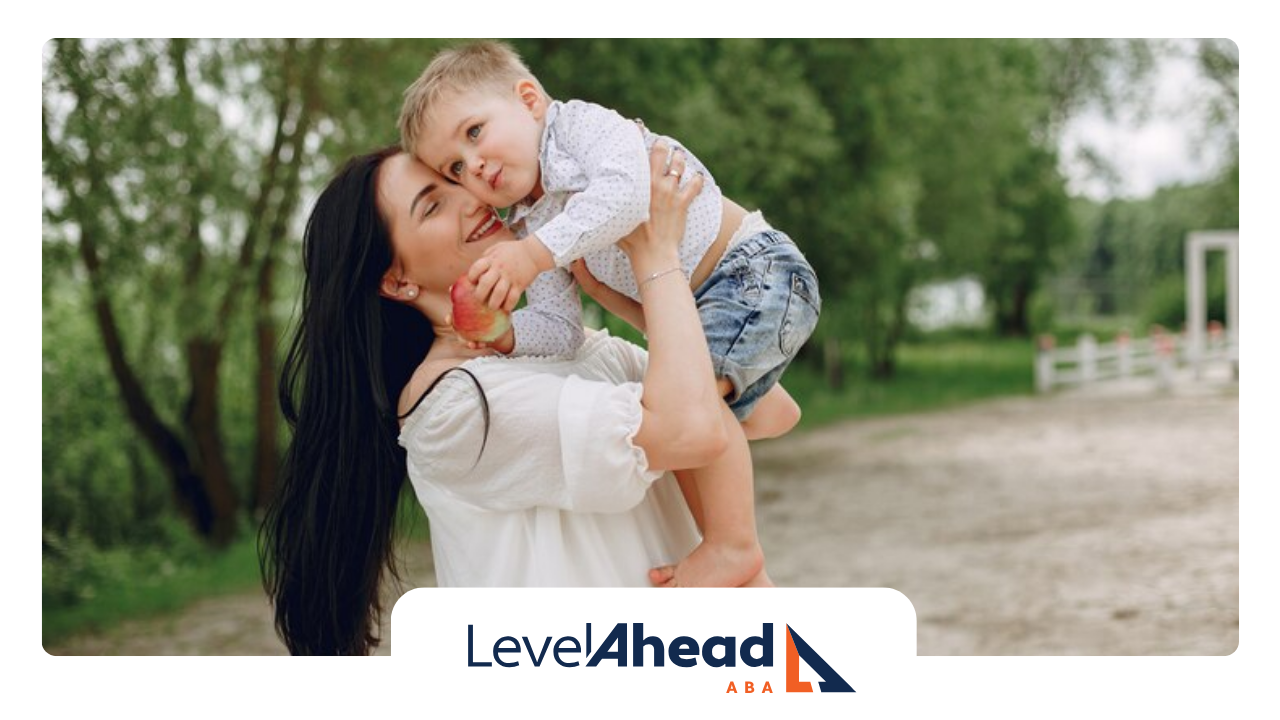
(605, 471)
(551, 441)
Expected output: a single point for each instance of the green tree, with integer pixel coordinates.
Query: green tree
(988, 169)
(171, 224)
(933, 137)
(1037, 222)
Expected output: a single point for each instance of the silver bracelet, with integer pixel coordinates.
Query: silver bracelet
(657, 275)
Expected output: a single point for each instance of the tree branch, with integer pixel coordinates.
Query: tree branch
(258, 217)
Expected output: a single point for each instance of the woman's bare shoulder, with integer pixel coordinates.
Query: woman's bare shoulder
(427, 373)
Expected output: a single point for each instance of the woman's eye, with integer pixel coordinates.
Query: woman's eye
(473, 132)
(456, 168)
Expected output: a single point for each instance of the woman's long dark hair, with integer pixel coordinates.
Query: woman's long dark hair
(327, 536)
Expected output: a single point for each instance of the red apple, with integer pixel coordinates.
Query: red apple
(472, 318)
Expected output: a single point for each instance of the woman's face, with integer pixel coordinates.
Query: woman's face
(437, 228)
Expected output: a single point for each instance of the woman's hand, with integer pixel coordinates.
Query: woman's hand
(586, 280)
(655, 242)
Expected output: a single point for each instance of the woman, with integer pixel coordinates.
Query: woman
(532, 471)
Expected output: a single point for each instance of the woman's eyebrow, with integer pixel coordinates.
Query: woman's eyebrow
(421, 194)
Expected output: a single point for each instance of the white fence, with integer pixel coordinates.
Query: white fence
(1160, 354)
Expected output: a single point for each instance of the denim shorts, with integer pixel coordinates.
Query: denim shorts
(758, 307)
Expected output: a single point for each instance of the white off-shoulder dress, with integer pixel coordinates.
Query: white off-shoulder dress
(557, 494)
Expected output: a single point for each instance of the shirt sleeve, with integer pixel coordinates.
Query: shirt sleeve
(550, 441)
(609, 151)
(550, 323)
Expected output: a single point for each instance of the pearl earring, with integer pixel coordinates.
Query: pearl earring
(412, 293)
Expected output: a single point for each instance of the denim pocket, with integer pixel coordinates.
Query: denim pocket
(801, 317)
(750, 284)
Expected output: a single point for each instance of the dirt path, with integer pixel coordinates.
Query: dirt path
(1081, 524)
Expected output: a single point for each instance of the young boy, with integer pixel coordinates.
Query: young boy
(576, 178)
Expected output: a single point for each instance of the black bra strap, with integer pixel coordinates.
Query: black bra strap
(436, 382)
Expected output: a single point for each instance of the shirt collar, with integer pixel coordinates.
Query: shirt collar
(522, 209)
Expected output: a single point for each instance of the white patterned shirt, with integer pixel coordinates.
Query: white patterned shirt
(595, 181)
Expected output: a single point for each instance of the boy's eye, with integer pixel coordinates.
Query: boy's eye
(456, 168)
(473, 132)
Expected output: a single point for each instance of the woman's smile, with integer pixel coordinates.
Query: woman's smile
(488, 226)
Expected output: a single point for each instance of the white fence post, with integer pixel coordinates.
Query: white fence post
(1044, 363)
(1125, 354)
(1087, 347)
(1161, 355)
(1196, 293)
(1165, 360)
(1217, 343)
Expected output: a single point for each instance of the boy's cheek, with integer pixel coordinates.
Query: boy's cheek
(486, 194)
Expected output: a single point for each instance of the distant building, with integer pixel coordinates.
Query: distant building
(958, 303)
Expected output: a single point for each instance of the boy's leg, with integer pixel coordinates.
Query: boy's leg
(773, 416)
(730, 553)
(689, 488)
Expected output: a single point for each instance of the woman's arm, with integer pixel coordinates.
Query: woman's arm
(682, 425)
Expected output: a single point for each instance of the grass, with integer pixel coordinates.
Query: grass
(142, 586)
(931, 374)
(121, 584)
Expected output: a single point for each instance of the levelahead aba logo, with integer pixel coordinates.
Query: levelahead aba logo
(755, 651)
(797, 648)
(700, 646)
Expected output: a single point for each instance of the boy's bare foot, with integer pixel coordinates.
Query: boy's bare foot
(713, 565)
(760, 580)
(663, 576)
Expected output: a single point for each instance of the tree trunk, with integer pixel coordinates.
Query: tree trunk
(883, 368)
(265, 451)
(1011, 315)
(266, 448)
(188, 488)
(1021, 298)
(882, 337)
(203, 358)
(833, 362)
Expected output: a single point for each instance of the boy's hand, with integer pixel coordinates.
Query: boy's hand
(504, 272)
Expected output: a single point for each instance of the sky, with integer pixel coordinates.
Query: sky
(1165, 148)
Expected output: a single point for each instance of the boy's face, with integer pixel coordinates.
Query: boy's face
(488, 142)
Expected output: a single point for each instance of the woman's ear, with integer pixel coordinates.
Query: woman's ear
(396, 288)
(532, 97)
(389, 286)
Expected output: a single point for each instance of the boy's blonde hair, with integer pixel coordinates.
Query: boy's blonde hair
(489, 66)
